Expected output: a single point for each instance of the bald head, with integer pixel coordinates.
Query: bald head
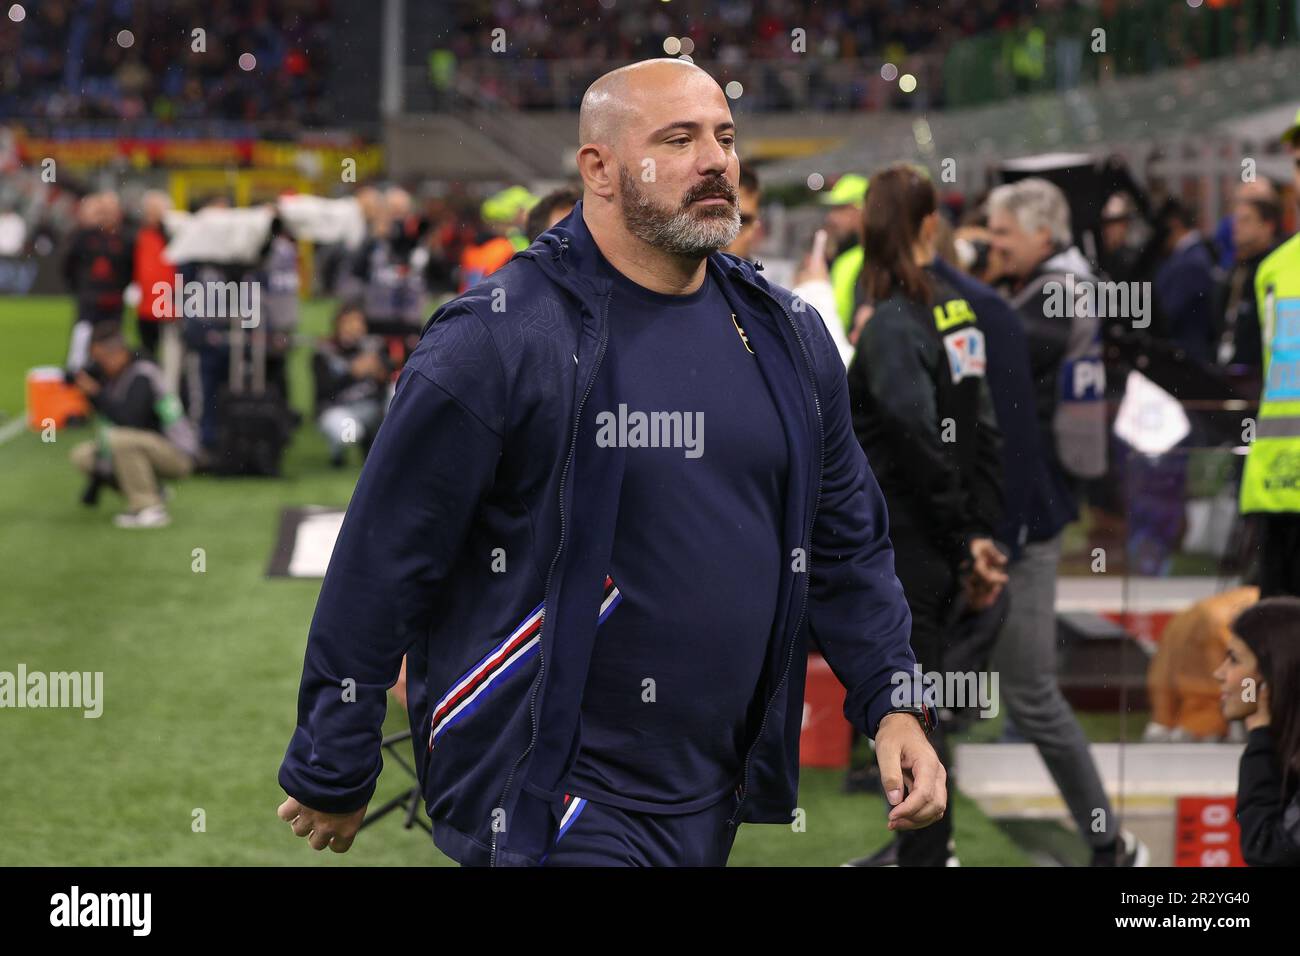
(153, 206)
(614, 101)
(658, 163)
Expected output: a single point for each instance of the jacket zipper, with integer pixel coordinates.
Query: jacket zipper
(532, 702)
(803, 610)
(550, 574)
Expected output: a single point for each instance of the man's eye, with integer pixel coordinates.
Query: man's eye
(680, 141)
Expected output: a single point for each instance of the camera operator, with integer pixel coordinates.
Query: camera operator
(351, 377)
(146, 436)
(391, 269)
(278, 274)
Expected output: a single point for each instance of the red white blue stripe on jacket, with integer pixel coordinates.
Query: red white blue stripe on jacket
(573, 806)
(521, 646)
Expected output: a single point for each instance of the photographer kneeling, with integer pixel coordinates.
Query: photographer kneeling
(146, 435)
(351, 379)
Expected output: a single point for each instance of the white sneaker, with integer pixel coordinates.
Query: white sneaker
(1130, 852)
(154, 516)
(1156, 733)
(1135, 851)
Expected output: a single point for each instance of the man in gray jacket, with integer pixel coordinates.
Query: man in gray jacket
(1050, 284)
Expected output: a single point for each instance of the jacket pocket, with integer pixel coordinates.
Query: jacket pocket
(519, 648)
(469, 691)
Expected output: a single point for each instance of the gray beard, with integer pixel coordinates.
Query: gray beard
(691, 233)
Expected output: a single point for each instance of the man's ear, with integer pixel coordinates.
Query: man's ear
(1045, 239)
(598, 169)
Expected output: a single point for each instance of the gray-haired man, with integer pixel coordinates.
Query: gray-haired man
(1032, 245)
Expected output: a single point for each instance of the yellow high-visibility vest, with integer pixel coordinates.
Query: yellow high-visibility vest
(1271, 482)
(844, 282)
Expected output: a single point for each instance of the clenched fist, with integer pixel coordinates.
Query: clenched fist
(335, 830)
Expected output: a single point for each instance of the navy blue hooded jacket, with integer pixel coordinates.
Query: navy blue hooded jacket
(478, 543)
(1036, 502)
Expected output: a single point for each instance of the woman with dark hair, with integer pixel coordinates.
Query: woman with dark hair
(1260, 684)
(923, 414)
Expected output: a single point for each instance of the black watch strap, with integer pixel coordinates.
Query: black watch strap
(922, 714)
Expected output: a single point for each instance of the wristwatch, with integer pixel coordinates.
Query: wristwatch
(922, 714)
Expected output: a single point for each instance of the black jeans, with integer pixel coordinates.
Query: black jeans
(930, 584)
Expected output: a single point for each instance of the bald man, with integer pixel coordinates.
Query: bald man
(616, 493)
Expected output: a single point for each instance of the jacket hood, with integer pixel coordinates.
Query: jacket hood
(1069, 261)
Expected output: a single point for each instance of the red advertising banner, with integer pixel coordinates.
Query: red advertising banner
(1206, 832)
(143, 153)
(826, 737)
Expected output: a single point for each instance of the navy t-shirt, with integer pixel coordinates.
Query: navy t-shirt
(697, 556)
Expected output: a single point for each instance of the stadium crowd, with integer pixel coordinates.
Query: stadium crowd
(729, 32)
(134, 61)
(962, 52)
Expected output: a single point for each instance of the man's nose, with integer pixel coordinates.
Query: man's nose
(712, 158)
